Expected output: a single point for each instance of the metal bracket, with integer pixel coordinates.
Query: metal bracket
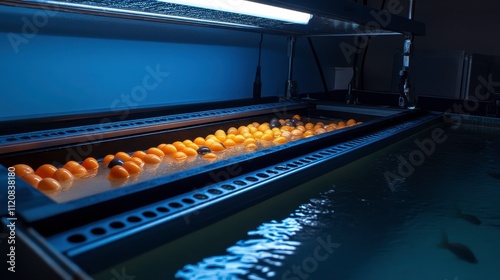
(290, 86)
(407, 97)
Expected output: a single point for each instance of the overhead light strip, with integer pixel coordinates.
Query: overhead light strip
(247, 8)
(103, 9)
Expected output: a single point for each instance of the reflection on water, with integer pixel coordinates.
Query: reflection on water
(266, 248)
(254, 258)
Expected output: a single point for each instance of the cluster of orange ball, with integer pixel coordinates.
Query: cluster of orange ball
(49, 178)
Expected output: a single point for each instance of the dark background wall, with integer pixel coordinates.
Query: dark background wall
(69, 67)
(451, 25)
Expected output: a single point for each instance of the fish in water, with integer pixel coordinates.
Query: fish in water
(494, 175)
(460, 250)
(469, 218)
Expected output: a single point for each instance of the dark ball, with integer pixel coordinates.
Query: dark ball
(115, 161)
(203, 150)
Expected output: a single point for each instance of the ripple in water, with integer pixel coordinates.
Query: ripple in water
(252, 258)
(267, 247)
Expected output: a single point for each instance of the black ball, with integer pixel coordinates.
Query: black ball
(115, 161)
(203, 150)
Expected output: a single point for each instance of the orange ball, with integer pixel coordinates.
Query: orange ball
(308, 133)
(140, 154)
(210, 142)
(229, 143)
(258, 134)
(232, 130)
(297, 132)
(280, 140)
(210, 136)
(107, 159)
(319, 131)
(301, 128)
(46, 170)
(217, 147)
(267, 137)
(247, 135)
(243, 129)
(118, 172)
(71, 164)
(193, 146)
(168, 149)
(221, 138)
(137, 161)
(329, 128)
(151, 159)
(263, 127)
(210, 156)
(220, 132)
(155, 151)
(249, 141)
(350, 122)
(199, 141)
(238, 139)
(90, 163)
(132, 167)
(179, 145)
(49, 185)
(32, 179)
(179, 155)
(62, 175)
(251, 146)
(23, 169)
(190, 152)
(123, 156)
(316, 127)
(76, 169)
(79, 171)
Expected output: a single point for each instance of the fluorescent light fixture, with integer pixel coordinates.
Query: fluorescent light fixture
(247, 8)
(96, 8)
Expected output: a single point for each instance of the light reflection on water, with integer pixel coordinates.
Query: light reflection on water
(266, 248)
